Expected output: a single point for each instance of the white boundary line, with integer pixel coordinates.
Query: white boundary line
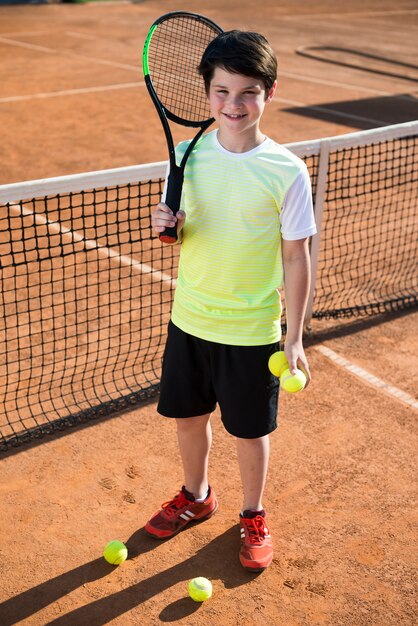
(86, 36)
(27, 33)
(72, 92)
(347, 86)
(71, 236)
(31, 46)
(369, 378)
(312, 16)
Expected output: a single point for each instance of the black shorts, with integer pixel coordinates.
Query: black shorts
(197, 374)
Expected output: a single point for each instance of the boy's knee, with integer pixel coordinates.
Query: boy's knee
(189, 423)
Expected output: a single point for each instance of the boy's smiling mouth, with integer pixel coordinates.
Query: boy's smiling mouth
(235, 116)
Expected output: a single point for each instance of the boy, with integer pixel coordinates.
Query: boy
(246, 215)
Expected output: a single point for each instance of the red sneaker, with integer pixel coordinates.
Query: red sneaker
(175, 514)
(256, 552)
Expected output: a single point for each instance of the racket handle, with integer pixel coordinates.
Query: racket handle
(172, 199)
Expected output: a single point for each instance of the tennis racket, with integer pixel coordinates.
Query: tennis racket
(171, 56)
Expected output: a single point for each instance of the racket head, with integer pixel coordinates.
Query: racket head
(171, 56)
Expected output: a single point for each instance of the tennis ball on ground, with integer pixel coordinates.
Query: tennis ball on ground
(293, 382)
(278, 363)
(200, 589)
(115, 552)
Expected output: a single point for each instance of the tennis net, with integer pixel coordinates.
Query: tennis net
(86, 291)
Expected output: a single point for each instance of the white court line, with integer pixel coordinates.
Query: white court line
(86, 36)
(29, 46)
(343, 16)
(29, 33)
(370, 378)
(107, 3)
(333, 83)
(90, 244)
(32, 46)
(71, 92)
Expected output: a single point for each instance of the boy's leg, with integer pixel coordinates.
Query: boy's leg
(195, 439)
(253, 458)
(256, 552)
(187, 395)
(247, 393)
(196, 501)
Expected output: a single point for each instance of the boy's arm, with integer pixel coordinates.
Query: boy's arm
(296, 265)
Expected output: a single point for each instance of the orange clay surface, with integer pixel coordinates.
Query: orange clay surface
(341, 490)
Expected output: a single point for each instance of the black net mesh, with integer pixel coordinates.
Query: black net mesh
(85, 297)
(86, 290)
(369, 239)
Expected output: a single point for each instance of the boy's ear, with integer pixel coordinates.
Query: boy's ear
(271, 92)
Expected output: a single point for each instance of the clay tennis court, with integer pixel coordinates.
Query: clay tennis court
(341, 492)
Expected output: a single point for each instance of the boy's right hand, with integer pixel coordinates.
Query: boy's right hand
(162, 217)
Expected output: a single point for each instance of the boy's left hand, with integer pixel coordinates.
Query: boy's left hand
(296, 358)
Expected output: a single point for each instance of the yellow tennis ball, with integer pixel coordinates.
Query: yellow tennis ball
(278, 363)
(293, 382)
(115, 552)
(200, 589)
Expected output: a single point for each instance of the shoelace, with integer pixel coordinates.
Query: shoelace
(257, 529)
(178, 502)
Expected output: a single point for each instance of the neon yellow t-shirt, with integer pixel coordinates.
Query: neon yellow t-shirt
(230, 264)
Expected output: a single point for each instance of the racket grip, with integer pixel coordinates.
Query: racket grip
(172, 199)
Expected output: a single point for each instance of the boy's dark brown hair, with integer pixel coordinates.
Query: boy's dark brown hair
(240, 52)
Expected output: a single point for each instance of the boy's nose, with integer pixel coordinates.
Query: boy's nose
(236, 101)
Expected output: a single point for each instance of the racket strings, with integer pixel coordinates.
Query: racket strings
(175, 51)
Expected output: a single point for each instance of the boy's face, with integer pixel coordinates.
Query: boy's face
(237, 102)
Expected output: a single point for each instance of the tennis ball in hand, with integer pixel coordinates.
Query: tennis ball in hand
(200, 589)
(115, 552)
(278, 363)
(293, 382)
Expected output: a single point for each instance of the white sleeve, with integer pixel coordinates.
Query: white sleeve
(297, 217)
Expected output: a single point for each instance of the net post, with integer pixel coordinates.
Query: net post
(321, 187)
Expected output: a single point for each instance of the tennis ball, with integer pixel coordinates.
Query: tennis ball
(200, 589)
(278, 363)
(115, 552)
(293, 382)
